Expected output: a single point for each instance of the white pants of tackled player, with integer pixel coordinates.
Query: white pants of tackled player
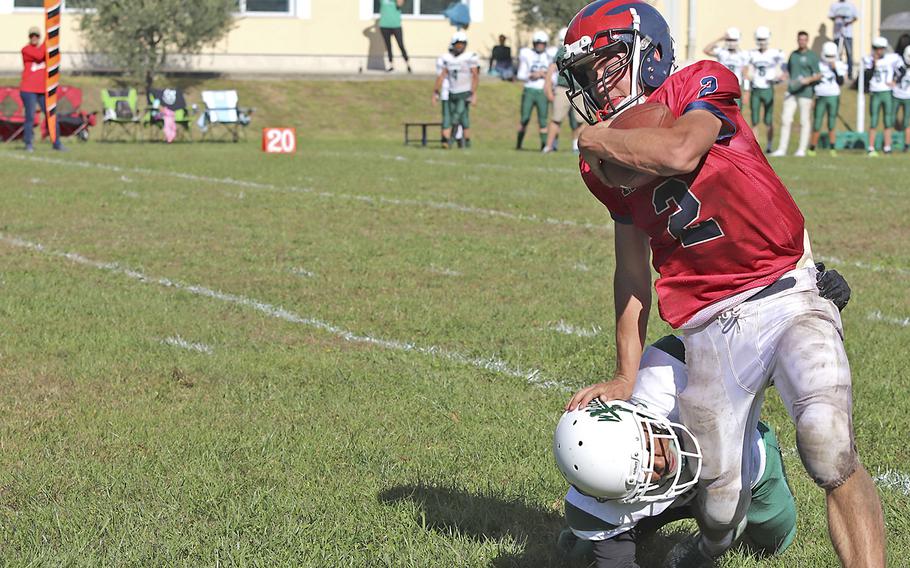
(791, 339)
(805, 122)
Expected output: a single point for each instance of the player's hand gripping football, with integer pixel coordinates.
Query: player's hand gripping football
(620, 388)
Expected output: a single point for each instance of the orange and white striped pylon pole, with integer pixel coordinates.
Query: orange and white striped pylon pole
(52, 10)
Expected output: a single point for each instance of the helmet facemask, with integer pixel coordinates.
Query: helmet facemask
(579, 67)
(686, 466)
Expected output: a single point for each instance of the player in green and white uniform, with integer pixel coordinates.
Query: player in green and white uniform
(882, 68)
(827, 95)
(730, 55)
(533, 66)
(633, 467)
(902, 98)
(461, 69)
(763, 72)
(557, 89)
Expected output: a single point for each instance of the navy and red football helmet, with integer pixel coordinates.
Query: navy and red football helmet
(627, 34)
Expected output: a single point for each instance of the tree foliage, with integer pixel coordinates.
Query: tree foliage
(140, 35)
(547, 14)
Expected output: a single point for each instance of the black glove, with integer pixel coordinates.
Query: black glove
(832, 286)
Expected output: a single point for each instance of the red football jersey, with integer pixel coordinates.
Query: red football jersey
(727, 227)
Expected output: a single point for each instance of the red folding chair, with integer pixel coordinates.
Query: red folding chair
(12, 114)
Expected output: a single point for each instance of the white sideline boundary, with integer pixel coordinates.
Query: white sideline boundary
(181, 343)
(568, 329)
(864, 265)
(492, 363)
(373, 199)
(877, 315)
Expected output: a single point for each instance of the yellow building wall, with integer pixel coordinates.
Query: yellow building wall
(340, 36)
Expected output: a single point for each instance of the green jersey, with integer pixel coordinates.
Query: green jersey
(389, 14)
(802, 64)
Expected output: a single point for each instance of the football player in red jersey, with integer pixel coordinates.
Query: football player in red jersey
(736, 276)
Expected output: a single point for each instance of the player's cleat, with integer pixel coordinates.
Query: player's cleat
(800, 154)
(812, 153)
(688, 554)
(445, 143)
(833, 153)
(546, 150)
(467, 142)
(872, 154)
(887, 150)
(778, 154)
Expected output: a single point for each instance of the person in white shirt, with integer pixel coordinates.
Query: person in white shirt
(533, 67)
(827, 96)
(902, 98)
(881, 70)
(843, 14)
(461, 70)
(727, 52)
(763, 71)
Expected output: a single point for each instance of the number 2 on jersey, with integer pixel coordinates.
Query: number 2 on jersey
(682, 223)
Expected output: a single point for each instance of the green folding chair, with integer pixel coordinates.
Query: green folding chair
(121, 113)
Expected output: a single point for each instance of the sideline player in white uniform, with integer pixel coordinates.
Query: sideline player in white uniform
(881, 70)
(827, 96)
(730, 55)
(461, 69)
(902, 98)
(763, 72)
(533, 66)
(595, 448)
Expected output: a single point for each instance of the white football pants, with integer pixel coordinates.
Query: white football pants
(791, 339)
(805, 122)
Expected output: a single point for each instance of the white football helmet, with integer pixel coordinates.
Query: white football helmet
(829, 50)
(762, 36)
(606, 451)
(880, 42)
(907, 56)
(458, 37)
(732, 37)
(540, 37)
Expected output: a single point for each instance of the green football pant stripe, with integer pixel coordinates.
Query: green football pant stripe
(829, 106)
(531, 99)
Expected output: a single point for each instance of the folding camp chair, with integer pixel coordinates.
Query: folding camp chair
(221, 110)
(71, 120)
(174, 100)
(12, 114)
(121, 109)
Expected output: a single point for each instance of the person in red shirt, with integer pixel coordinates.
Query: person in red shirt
(31, 89)
(735, 274)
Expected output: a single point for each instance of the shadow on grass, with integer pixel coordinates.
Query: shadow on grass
(486, 517)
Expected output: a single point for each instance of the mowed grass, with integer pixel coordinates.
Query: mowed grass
(416, 440)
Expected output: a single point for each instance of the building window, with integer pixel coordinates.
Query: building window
(419, 7)
(264, 6)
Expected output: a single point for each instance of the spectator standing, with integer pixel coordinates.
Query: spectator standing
(843, 13)
(32, 86)
(501, 61)
(803, 70)
(881, 71)
(827, 95)
(902, 97)
(557, 89)
(763, 72)
(461, 69)
(533, 67)
(390, 25)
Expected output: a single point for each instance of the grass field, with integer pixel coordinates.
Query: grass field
(355, 356)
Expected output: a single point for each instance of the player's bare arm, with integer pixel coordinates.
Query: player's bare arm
(438, 87)
(632, 298)
(475, 82)
(664, 152)
(548, 85)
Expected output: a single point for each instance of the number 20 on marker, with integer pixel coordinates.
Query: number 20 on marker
(279, 140)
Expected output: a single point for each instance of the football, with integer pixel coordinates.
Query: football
(645, 115)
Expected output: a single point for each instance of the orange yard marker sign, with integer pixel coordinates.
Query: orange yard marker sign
(52, 45)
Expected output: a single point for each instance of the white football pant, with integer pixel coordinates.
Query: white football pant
(805, 122)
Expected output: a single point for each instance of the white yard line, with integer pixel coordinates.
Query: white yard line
(879, 316)
(375, 199)
(303, 272)
(178, 341)
(894, 480)
(492, 363)
(864, 265)
(443, 271)
(569, 329)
